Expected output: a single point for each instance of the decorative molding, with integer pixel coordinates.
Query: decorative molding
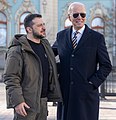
(4, 5)
(64, 14)
(107, 14)
(6, 9)
(98, 10)
(26, 6)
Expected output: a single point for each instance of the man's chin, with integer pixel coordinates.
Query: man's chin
(43, 36)
(79, 26)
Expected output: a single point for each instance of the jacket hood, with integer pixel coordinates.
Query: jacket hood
(19, 39)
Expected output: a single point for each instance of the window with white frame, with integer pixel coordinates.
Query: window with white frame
(22, 28)
(3, 29)
(98, 24)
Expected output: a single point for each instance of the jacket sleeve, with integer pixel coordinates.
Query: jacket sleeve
(12, 78)
(104, 64)
(54, 48)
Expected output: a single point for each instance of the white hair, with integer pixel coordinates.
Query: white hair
(72, 4)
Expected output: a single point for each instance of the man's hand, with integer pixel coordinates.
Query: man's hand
(20, 109)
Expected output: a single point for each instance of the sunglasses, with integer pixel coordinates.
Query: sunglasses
(83, 15)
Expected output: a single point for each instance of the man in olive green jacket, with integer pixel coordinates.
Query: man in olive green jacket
(30, 72)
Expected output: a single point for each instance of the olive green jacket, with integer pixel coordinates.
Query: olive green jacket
(23, 74)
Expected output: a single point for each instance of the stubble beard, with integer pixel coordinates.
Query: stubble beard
(37, 36)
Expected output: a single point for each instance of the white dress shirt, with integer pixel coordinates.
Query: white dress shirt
(80, 33)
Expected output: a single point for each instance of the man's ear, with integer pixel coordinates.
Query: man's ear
(69, 17)
(29, 29)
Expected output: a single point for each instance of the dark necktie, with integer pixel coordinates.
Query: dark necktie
(74, 40)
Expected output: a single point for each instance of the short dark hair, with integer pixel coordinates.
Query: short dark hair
(28, 19)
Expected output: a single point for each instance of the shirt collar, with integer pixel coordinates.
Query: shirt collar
(80, 31)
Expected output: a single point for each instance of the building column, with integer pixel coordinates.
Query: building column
(48, 9)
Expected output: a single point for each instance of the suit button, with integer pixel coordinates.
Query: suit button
(71, 82)
(72, 55)
(71, 68)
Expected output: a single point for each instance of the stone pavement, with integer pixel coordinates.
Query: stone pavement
(107, 108)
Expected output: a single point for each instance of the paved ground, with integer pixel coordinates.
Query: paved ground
(107, 108)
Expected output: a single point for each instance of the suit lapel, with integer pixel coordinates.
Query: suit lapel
(84, 37)
(68, 38)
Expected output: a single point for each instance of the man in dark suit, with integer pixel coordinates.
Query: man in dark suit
(81, 50)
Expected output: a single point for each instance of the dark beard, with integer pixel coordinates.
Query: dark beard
(37, 36)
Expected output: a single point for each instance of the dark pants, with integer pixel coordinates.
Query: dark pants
(35, 116)
(60, 111)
